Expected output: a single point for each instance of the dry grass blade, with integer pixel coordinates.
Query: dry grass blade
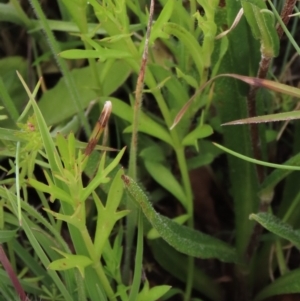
(99, 128)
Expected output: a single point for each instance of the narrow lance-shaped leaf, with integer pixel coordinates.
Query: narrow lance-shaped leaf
(267, 118)
(287, 284)
(275, 225)
(166, 179)
(277, 175)
(273, 165)
(264, 83)
(182, 238)
(262, 24)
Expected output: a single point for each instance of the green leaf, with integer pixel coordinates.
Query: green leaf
(70, 261)
(146, 124)
(13, 87)
(95, 54)
(265, 83)
(108, 215)
(166, 179)
(153, 234)
(262, 24)
(279, 166)
(162, 19)
(52, 189)
(287, 284)
(7, 235)
(37, 247)
(76, 9)
(201, 131)
(188, 78)
(147, 153)
(154, 293)
(276, 226)
(200, 160)
(278, 175)
(182, 238)
(176, 263)
(112, 75)
(101, 175)
(267, 118)
(189, 41)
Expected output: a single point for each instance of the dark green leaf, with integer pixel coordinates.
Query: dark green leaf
(182, 238)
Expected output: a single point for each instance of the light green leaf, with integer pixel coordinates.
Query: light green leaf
(154, 293)
(70, 261)
(189, 79)
(189, 41)
(95, 54)
(166, 179)
(147, 153)
(146, 124)
(279, 166)
(201, 131)
(162, 19)
(52, 189)
(200, 160)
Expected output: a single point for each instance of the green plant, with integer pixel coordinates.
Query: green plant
(177, 56)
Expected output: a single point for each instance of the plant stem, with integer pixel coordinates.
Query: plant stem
(12, 275)
(190, 210)
(138, 99)
(132, 170)
(138, 259)
(97, 264)
(286, 11)
(251, 104)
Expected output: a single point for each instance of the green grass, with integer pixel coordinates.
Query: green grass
(179, 185)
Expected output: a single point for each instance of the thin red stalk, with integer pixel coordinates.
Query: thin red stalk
(262, 73)
(286, 11)
(12, 275)
(131, 220)
(139, 96)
